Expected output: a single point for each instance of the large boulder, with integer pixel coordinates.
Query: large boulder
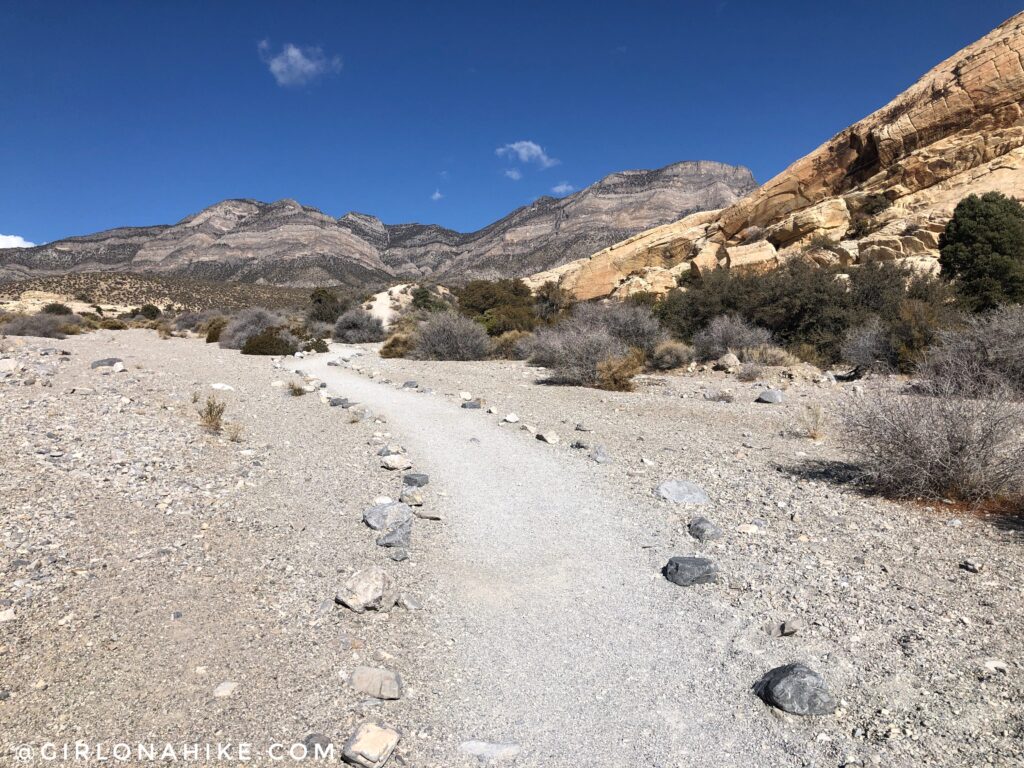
(796, 689)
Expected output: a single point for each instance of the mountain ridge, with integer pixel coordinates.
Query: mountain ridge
(285, 242)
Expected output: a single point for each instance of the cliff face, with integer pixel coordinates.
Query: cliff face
(286, 243)
(883, 188)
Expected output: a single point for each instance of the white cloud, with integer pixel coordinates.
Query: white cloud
(295, 66)
(563, 189)
(14, 241)
(437, 195)
(514, 173)
(527, 152)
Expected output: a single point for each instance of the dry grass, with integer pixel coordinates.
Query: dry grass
(811, 423)
(211, 415)
(767, 354)
(234, 432)
(616, 373)
(295, 389)
(750, 372)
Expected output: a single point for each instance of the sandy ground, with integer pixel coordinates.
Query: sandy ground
(147, 562)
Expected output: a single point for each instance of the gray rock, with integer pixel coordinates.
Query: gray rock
(549, 437)
(727, 362)
(377, 682)
(382, 517)
(583, 428)
(409, 602)
(370, 746)
(370, 589)
(473, 404)
(391, 449)
(106, 362)
(600, 455)
(398, 536)
(395, 462)
(687, 571)
(773, 396)
(682, 492)
(578, 445)
(412, 497)
(488, 751)
(340, 402)
(415, 479)
(398, 554)
(796, 689)
(703, 529)
(410, 385)
(318, 746)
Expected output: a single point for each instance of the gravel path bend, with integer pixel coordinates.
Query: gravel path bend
(563, 636)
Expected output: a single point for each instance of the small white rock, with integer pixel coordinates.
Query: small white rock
(225, 689)
(511, 418)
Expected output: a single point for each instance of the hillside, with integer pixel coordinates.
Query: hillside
(883, 188)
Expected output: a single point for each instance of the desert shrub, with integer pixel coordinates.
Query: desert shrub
(874, 204)
(550, 301)
(728, 333)
(214, 328)
(632, 324)
(986, 353)
(427, 300)
(198, 322)
(450, 336)
(982, 249)
(511, 345)
(670, 354)
(246, 324)
(113, 324)
(811, 423)
(501, 305)
(211, 415)
(56, 308)
(398, 345)
(271, 341)
(295, 389)
(325, 306)
(357, 326)
(616, 373)
(867, 346)
(572, 351)
(750, 372)
(47, 326)
(148, 311)
(943, 445)
(315, 345)
(767, 354)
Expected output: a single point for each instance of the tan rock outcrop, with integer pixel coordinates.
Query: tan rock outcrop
(755, 256)
(956, 131)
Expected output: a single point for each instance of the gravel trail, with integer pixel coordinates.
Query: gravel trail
(566, 641)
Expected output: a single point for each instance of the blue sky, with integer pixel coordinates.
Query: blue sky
(131, 113)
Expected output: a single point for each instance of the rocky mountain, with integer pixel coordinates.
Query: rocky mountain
(880, 190)
(286, 243)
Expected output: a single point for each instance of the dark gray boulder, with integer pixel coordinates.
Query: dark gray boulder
(796, 689)
(415, 479)
(703, 529)
(688, 571)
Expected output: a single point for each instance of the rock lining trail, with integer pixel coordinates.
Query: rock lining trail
(564, 640)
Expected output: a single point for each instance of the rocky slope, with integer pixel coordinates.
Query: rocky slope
(883, 188)
(286, 243)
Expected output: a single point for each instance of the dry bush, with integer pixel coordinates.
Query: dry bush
(633, 324)
(616, 373)
(397, 345)
(271, 341)
(357, 326)
(867, 346)
(214, 328)
(750, 372)
(234, 431)
(572, 351)
(944, 445)
(448, 336)
(211, 415)
(246, 324)
(812, 422)
(986, 353)
(113, 324)
(295, 389)
(56, 308)
(511, 345)
(195, 321)
(767, 354)
(671, 354)
(43, 325)
(727, 333)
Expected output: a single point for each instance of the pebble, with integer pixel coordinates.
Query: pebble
(682, 492)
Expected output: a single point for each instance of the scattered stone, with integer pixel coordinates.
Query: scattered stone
(395, 462)
(398, 554)
(796, 689)
(7, 615)
(996, 665)
(492, 410)
(582, 428)
(773, 396)
(370, 746)
(118, 368)
(551, 438)
(340, 402)
(317, 745)
(398, 536)
(410, 385)
(225, 689)
(411, 496)
(426, 514)
(490, 752)
(370, 589)
(377, 682)
(106, 362)
(748, 528)
(972, 566)
(382, 517)
(222, 387)
(703, 529)
(391, 449)
(688, 571)
(465, 396)
(578, 445)
(409, 603)
(415, 479)
(511, 418)
(600, 455)
(727, 362)
(473, 404)
(682, 492)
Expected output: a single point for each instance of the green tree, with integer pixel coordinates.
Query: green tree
(982, 249)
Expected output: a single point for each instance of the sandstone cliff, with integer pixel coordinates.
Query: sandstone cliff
(881, 189)
(286, 243)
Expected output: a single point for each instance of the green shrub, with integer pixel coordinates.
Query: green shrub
(551, 301)
(425, 299)
(316, 345)
(982, 249)
(270, 341)
(511, 345)
(45, 325)
(214, 328)
(357, 326)
(325, 306)
(246, 324)
(501, 305)
(56, 308)
(149, 311)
